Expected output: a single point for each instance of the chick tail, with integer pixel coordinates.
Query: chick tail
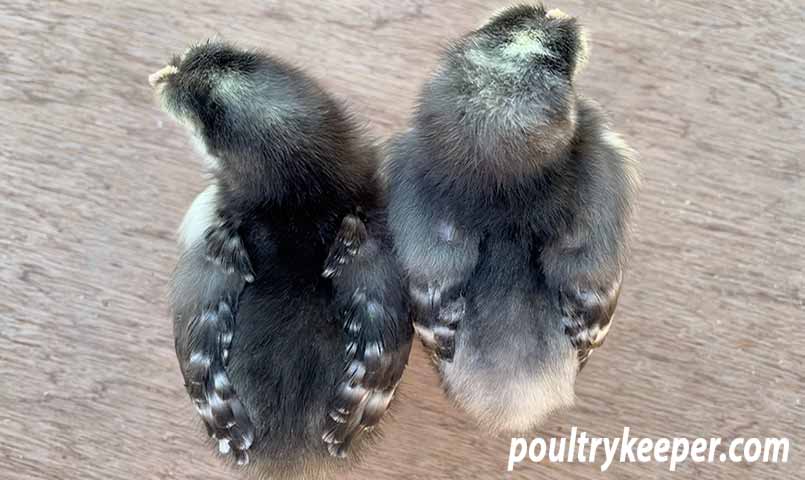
(510, 394)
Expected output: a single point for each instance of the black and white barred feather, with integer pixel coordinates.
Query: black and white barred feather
(376, 349)
(208, 282)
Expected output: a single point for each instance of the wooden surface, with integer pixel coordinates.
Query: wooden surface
(94, 180)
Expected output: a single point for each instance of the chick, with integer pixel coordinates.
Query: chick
(290, 316)
(509, 202)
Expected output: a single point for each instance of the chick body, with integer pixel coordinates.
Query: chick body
(509, 202)
(290, 319)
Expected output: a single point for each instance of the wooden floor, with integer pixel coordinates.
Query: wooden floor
(94, 180)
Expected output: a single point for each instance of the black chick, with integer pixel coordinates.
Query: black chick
(290, 317)
(509, 201)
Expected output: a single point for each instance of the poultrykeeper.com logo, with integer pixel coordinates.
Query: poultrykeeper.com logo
(582, 448)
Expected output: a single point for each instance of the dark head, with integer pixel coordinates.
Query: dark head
(507, 87)
(254, 118)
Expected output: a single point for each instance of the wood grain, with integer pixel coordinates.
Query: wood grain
(94, 180)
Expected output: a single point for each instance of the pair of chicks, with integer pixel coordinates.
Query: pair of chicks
(496, 225)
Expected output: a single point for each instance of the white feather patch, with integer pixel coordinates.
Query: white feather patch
(199, 218)
(525, 44)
